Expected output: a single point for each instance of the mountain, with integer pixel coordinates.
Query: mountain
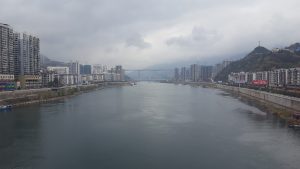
(45, 62)
(295, 48)
(262, 59)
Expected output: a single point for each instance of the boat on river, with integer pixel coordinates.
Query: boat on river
(295, 121)
(132, 83)
(5, 107)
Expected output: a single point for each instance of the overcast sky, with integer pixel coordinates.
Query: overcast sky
(141, 33)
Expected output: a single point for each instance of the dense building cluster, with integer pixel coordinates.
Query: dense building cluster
(195, 73)
(219, 67)
(75, 73)
(199, 73)
(20, 65)
(19, 58)
(277, 77)
(20, 52)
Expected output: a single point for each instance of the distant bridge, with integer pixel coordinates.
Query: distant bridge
(147, 70)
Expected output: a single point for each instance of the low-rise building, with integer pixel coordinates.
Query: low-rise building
(30, 81)
(7, 82)
(108, 77)
(98, 78)
(293, 76)
(7, 77)
(59, 69)
(48, 78)
(86, 79)
(277, 77)
(66, 79)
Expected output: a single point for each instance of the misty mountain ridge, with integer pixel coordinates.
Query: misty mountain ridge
(169, 66)
(294, 47)
(45, 62)
(263, 59)
(259, 59)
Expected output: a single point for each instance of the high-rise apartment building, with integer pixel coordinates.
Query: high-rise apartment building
(182, 74)
(27, 50)
(87, 69)
(17, 53)
(185, 74)
(120, 71)
(195, 72)
(20, 56)
(97, 69)
(74, 68)
(176, 74)
(201, 73)
(6, 49)
(29, 54)
(206, 73)
(226, 63)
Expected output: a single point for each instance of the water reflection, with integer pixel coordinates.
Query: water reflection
(147, 126)
(18, 131)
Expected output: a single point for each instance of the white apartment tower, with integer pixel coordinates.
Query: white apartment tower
(74, 68)
(6, 49)
(17, 53)
(29, 54)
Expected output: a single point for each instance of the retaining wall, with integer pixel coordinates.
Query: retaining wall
(286, 101)
(21, 97)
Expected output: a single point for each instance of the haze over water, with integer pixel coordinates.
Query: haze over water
(151, 125)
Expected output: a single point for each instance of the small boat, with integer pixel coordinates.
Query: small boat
(5, 107)
(132, 83)
(294, 123)
(294, 126)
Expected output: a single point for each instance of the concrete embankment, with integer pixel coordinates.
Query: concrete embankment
(282, 105)
(285, 101)
(24, 97)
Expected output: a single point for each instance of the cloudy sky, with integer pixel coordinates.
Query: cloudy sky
(141, 33)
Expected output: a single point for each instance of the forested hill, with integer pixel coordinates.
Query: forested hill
(262, 59)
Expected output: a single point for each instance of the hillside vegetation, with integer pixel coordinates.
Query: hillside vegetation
(262, 59)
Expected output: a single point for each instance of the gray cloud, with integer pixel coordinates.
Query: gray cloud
(137, 41)
(198, 36)
(100, 31)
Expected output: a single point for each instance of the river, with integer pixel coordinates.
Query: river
(147, 126)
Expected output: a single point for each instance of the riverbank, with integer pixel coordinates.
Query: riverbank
(280, 105)
(26, 97)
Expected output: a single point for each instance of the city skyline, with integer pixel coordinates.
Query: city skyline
(139, 34)
(20, 66)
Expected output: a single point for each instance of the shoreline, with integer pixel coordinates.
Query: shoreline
(269, 102)
(44, 95)
(37, 96)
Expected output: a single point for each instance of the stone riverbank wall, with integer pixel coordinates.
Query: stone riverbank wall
(286, 101)
(23, 97)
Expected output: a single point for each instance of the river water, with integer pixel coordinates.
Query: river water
(148, 126)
